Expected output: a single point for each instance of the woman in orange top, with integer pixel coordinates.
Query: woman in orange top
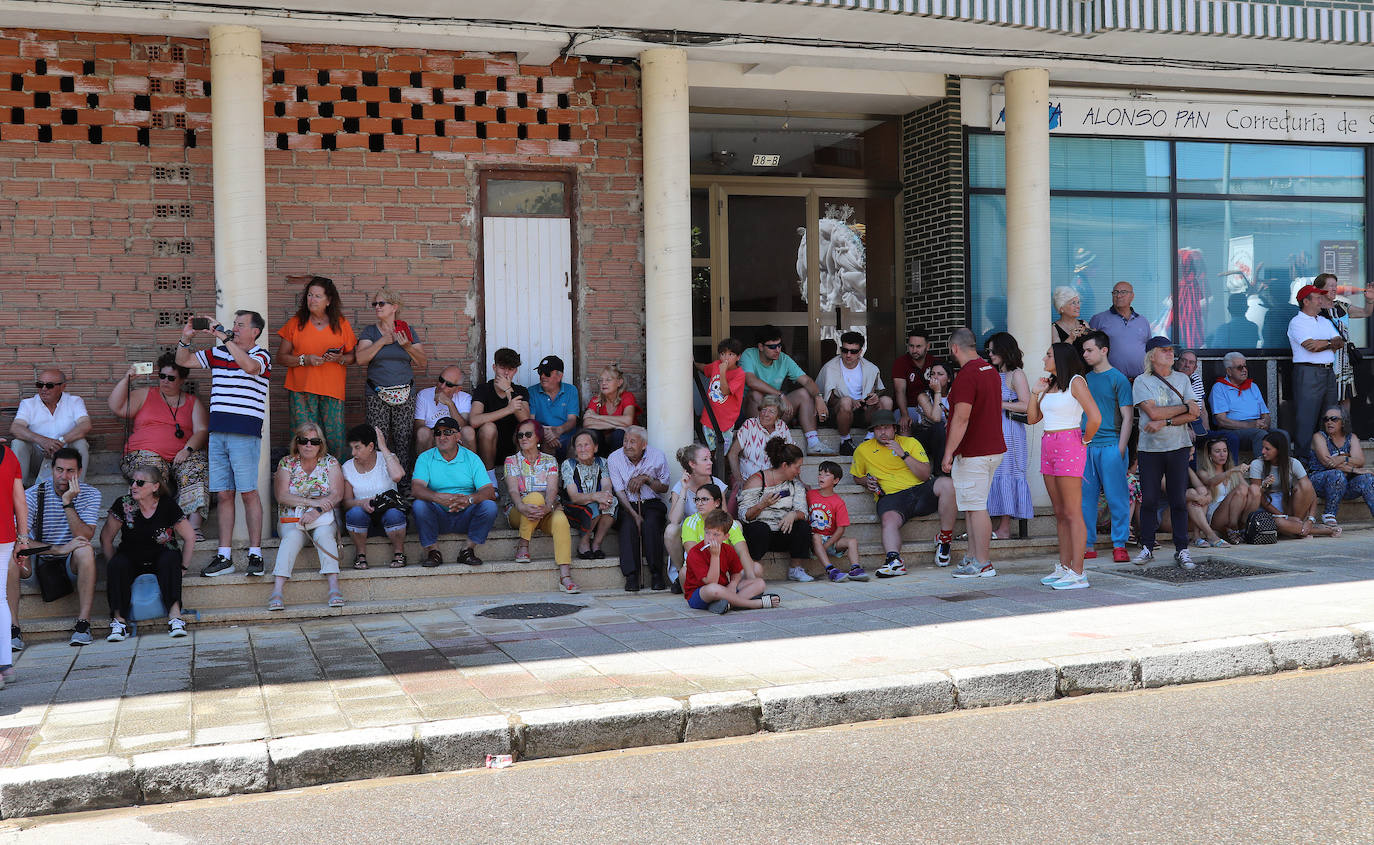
(611, 411)
(316, 344)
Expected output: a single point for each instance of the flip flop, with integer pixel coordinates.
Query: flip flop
(398, 560)
(336, 598)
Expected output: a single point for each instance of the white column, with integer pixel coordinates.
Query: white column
(240, 195)
(1028, 233)
(667, 248)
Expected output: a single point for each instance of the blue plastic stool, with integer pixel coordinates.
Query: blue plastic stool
(145, 602)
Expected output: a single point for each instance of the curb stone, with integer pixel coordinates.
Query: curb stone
(586, 728)
(799, 706)
(344, 755)
(1015, 682)
(1206, 660)
(213, 771)
(202, 772)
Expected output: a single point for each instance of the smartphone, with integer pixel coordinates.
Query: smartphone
(200, 322)
(784, 494)
(143, 368)
(333, 350)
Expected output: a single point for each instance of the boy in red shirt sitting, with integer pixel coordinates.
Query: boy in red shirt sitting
(829, 518)
(713, 578)
(725, 389)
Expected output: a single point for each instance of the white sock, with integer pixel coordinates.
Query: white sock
(225, 551)
(255, 550)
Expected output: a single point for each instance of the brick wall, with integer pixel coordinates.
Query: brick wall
(933, 216)
(372, 172)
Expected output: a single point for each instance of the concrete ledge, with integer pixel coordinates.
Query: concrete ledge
(799, 706)
(346, 755)
(1364, 639)
(1088, 673)
(1208, 660)
(561, 731)
(455, 744)
(1015, 682)
(92, 784)
(712, 715)
(1313, 648)
(202, 772)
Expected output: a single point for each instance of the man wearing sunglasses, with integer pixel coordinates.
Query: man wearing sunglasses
(770, 371)
(1238, 407)
(852, 387)
(47, 422)
(444, 399)
(239, 370)
(452, 495)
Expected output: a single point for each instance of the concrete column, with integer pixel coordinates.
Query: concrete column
(240, 197)
(667, 248)
(1028, 232)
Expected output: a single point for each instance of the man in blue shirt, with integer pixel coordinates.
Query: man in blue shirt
(555, 405)
(452, 494)
(1106, 466)
(1127, 331)
(1239, 412)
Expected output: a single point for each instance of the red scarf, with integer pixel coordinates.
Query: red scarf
(1240, 388)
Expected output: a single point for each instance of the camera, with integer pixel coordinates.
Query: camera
(200, 322)
(143, 368)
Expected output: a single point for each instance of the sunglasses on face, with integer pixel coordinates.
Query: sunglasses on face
(446, 383)
(48, 385)
(309, 441)
(521, 435)
(444, 432)
(849, 351)
(139, 482)
(772, 346)
(701, 499)
(1331, 419)
(379, 303)
(168, 376)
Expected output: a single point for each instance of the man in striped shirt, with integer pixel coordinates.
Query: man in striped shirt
(239, 369)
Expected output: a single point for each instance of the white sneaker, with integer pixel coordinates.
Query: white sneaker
(796, 573)
(1071, 581)
(973, 569)
(1144, 556)
(815, 446)
(119, 632)
(1059, 572)
(1184, 559)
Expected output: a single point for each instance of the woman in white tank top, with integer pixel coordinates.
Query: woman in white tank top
(1062, 400)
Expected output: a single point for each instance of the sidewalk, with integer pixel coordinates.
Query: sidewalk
(261, 682)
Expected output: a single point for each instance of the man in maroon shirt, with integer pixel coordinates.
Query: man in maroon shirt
(909, 376)
(974, 447)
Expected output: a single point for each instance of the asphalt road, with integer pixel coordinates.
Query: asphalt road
(1288, 758)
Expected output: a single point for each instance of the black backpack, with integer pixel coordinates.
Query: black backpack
(1260, 529)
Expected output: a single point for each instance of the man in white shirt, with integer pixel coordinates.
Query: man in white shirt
(47, 422)
(444, 399)
(1314, 340)
(852, 386)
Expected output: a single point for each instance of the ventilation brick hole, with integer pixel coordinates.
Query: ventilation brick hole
(173, 318)
(186, 211)
(171, 174)
(178, 54)
(155, 85)
(153, 52)
(179, 87)
(186, 248)
(163, 210)
(170, 283)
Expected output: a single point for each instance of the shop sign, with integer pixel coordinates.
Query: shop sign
(1158, 118)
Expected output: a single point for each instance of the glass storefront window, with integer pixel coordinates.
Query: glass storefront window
(987, 161)
(1248, 260)
(1080, 164)
(1270, 169)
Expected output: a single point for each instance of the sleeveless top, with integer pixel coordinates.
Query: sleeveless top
(155, 425)
(1061, 409)
(1314, 464)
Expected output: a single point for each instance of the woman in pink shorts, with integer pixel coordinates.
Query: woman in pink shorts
(1062, 399)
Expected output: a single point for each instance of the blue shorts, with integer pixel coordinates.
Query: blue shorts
(233, 462)
(695, 601)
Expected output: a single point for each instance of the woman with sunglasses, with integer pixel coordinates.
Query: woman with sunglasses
(316, 344)
(1336, 465)
(392, 351)
(308, 485)
(170, 429)
(532, 481)
(154, 537)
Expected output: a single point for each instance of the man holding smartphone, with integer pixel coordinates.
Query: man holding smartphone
(239, 370)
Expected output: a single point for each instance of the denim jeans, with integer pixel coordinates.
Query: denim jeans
(475, 521)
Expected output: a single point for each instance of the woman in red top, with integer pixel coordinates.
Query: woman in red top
(316, 343)
(170, 430)
(14, 525)
(612, 411)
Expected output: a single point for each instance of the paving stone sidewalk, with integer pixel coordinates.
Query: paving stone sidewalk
(280, 680)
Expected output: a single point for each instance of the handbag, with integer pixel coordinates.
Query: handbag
(397, 394)
(388, 499)
(51, 570)
(1260, 529)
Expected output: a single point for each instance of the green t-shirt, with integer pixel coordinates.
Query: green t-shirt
(694, 532)
(780, 371)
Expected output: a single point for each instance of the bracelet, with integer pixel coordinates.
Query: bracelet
(300, 362)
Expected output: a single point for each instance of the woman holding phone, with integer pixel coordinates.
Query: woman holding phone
(316, 343)
(772, 507)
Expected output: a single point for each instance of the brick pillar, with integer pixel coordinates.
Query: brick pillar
(933, 217)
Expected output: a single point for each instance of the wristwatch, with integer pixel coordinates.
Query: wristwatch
(300, 362)
(906, 455)
(71, 505)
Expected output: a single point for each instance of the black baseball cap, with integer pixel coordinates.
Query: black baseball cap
(447, 422)
(548, 364)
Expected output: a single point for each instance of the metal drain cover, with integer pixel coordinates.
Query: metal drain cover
(1207, 570)
(533, 610)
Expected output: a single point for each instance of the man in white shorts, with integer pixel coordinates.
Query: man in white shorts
(974, 448)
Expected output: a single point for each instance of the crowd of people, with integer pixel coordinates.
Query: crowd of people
(1125, 423)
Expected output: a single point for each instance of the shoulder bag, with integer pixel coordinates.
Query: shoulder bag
(51, 570)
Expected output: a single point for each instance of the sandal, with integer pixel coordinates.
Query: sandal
(336, 598)
(1234, 537)
(566, 584)
(1330, 519)
(398, 560)
(522, 552)
(275, 602)
(360, 561)
(770, 600)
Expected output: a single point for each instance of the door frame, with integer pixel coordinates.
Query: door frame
(568, 177)
(721, 188)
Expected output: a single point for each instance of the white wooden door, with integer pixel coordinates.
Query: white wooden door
(527, 273)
